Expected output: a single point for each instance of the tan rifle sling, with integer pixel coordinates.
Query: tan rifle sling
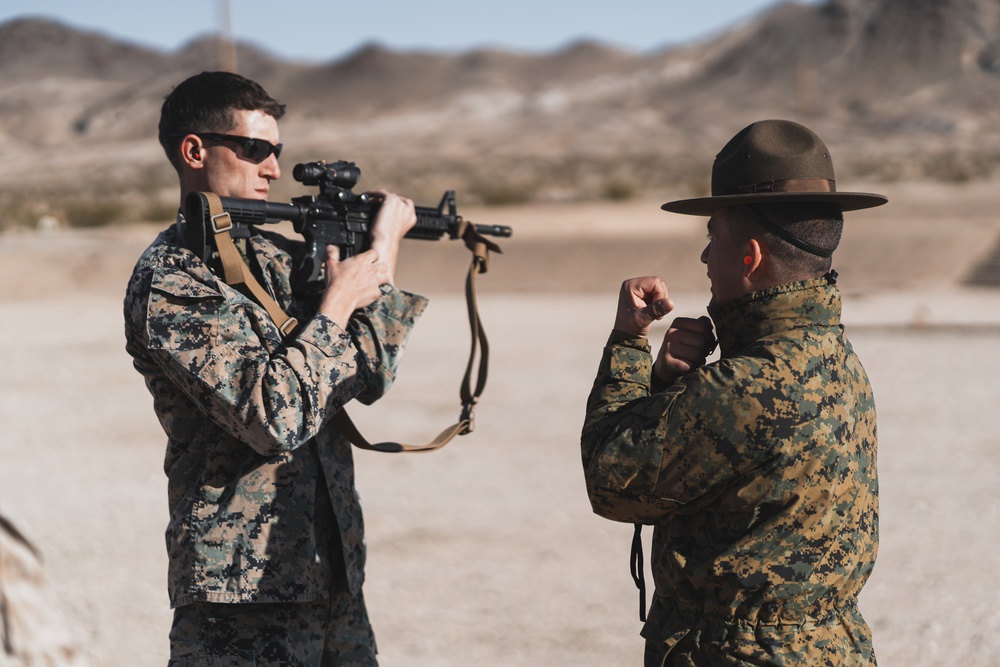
(236, 272)
(234, 269)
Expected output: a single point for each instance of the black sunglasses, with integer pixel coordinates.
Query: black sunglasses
(255, 150)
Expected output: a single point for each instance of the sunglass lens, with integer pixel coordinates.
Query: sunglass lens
(259, 150)
(254, 150)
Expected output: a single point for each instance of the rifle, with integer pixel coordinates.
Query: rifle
(338, 216)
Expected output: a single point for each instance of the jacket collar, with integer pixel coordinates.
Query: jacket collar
(781, 308)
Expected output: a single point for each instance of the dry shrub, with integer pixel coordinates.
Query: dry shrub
(952, 166)
(92, 213)
(500, 194)
(618, 190)
(158, 210)
(25, 210)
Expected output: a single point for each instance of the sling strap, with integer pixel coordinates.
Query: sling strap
(480, 248)
(638, 571)
(237, 274)
(234, 269)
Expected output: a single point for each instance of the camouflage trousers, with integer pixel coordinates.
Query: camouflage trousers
(324, 633)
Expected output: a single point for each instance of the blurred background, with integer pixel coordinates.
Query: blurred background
(571, 123)
(507, 103)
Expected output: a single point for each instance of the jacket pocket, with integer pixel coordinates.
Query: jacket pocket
(182, 314)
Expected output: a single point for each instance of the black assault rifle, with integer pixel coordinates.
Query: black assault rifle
(336, 216)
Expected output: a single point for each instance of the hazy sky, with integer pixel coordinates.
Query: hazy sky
(319, 30)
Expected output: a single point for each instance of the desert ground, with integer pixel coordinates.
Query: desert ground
(486, 552)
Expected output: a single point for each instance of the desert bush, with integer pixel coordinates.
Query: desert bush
(159, 210)
(92, 213)
(501, 194)
(618, 190)
(24, 210)
(953, 166)
(882, 169)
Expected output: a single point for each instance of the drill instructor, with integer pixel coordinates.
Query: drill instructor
(757, 471)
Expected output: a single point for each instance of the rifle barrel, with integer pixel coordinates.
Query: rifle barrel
(431, 223)
(494, 230)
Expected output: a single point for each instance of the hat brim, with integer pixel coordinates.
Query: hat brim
(848, 201)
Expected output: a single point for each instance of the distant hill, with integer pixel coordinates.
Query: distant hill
(898, 88)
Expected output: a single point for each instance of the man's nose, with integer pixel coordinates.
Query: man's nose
(272, 169)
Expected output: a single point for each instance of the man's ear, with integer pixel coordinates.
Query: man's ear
(192, 152)
(753, 257)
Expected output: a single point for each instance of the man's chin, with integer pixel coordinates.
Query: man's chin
(243, 194)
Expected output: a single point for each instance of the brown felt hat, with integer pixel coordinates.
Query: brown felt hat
(773, 162)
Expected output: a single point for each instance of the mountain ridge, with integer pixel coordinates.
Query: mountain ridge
(898, 88)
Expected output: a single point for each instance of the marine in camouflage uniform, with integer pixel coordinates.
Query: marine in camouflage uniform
(265, 536)
(263, 506)
(757, 471)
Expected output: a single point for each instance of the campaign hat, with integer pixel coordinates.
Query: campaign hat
(774, 162)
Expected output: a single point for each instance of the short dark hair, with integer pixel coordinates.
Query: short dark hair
(819, 225)
(205, 103)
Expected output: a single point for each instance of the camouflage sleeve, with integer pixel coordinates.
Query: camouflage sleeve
(380, 331)
(646, 455)
(227, 356)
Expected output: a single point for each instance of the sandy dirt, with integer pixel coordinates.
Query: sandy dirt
(487, 553)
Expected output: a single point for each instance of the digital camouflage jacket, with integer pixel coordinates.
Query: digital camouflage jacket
(263, 506)
(758, 472)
